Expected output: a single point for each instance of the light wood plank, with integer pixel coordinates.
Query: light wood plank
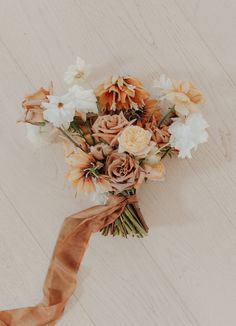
(185, 269)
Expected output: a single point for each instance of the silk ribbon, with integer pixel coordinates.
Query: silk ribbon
(61, 278)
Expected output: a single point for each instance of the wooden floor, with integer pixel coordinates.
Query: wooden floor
(184, 272)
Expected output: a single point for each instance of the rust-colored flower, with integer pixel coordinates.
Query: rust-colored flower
(160, 135)
(119, 93)
(108, 127)
(124, 171)
(150, 110)
(33, 112)
(84, 173)
(100, 151)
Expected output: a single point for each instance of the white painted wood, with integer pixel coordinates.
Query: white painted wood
(184, 273)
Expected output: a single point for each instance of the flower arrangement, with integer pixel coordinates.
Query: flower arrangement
(115, 138)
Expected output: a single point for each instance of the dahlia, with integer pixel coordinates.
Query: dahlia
(119, 93)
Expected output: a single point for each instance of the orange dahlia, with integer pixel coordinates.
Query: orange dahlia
(148, 111)
(119, 93)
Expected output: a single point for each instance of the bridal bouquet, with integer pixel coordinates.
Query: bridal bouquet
(115, 138)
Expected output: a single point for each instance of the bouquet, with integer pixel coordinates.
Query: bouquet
(115, 138)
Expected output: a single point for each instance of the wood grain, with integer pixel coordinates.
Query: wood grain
(184, 273)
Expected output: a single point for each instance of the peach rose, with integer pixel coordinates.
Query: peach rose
(100, 151)
(136, 141)
(108, 127)
(33, 112)
(124, 172)
(153, 168)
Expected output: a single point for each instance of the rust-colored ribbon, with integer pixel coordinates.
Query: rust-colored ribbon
(60, 282)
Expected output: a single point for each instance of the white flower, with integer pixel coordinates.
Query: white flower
(40, 135)
(60, 110)
(187, 135)
(164, 83)
(76, 73)
(84, 99)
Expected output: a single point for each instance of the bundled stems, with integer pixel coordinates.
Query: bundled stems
(130, 222)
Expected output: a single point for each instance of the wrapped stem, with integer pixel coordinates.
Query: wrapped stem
(130, 223)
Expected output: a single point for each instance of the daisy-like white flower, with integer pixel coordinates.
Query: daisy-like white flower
(78, 72)
(60, 110)
(84, 99)
(187, 135)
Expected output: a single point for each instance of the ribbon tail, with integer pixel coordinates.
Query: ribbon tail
(69, 250)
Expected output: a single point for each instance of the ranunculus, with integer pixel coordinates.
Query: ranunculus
(136, 141)
(154, 169)
(108, 127)
(124, 172)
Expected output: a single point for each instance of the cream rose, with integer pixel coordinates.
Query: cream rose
(136, 141)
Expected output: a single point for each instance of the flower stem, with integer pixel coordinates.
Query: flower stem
(90, 132)
(70, 138)
(77, 128)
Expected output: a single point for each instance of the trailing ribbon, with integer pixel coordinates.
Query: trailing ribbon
(60, 281)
